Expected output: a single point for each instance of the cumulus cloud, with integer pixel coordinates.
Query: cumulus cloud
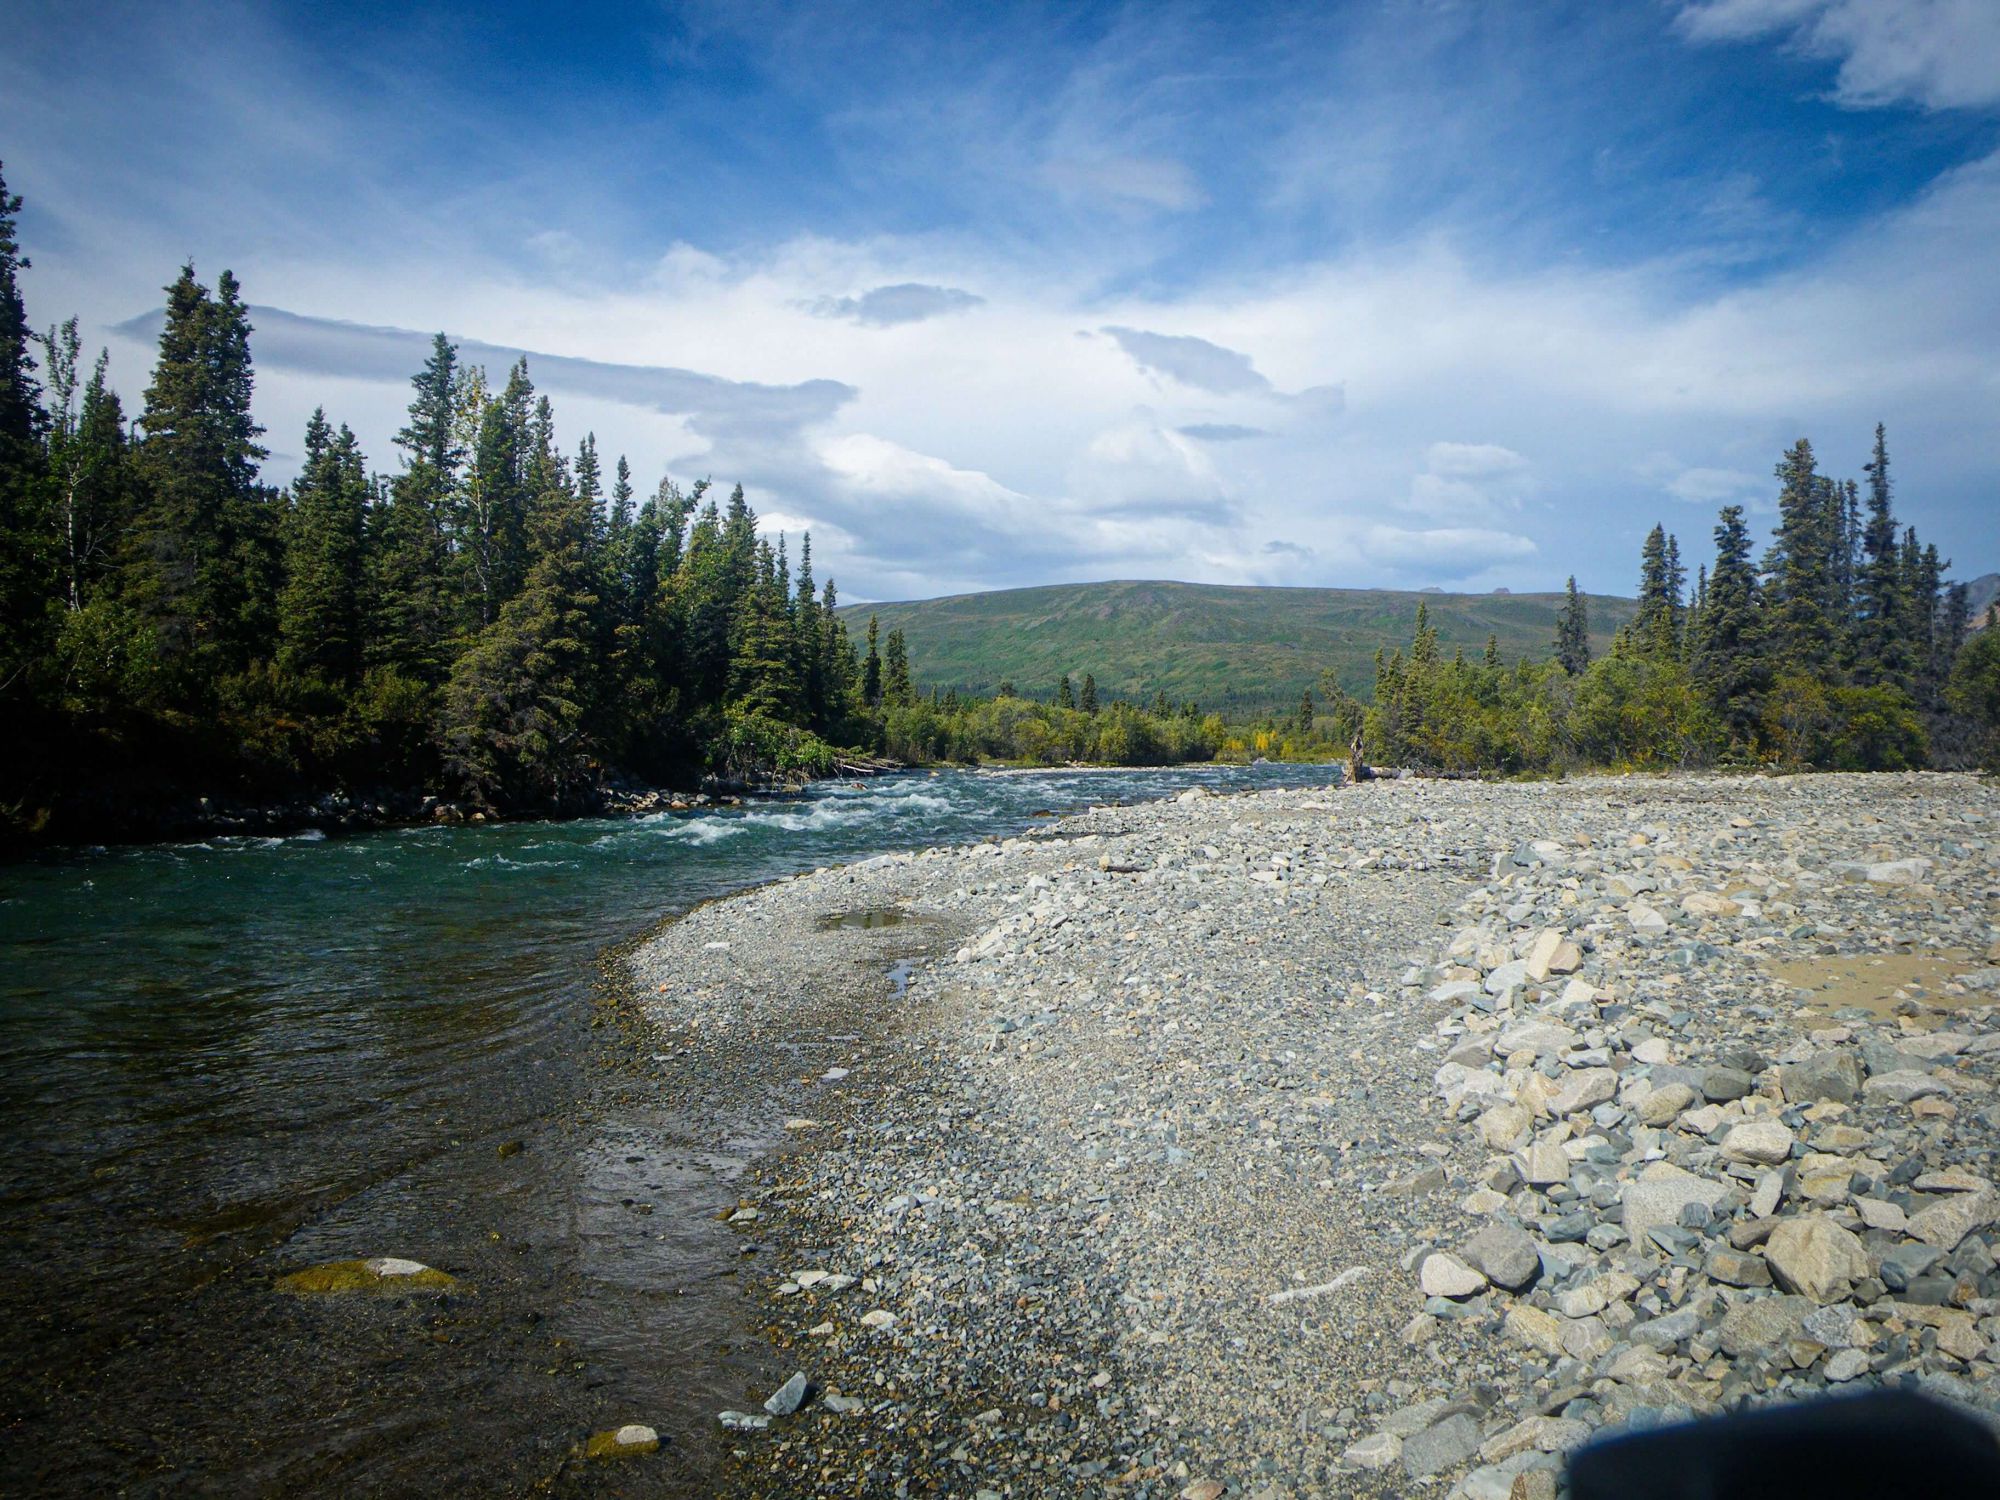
(905, 302)
(1140, 466)
(1942, 54)
(1468, 482)
(1445, 553)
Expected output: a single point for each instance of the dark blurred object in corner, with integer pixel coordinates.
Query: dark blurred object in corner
(1843, 1448)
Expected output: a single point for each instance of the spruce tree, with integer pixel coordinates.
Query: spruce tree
(896, 684)
(319, 607)
(1882, 654)
(871, 669)
(410, 609)
(1804, 636)
(1651, 632)
(1065, 694)
(1573, 631)
(1729, 661)
(203, 569)
(490, 511)
(1088, 700)
(516, 725)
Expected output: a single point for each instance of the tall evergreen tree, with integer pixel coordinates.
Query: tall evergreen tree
(489, 522)
(896, 684)
(1882, 653)
(411, 612)
(1065, 694)
(517, 713)
(205, 565)
(1803, 634)
(1573, 631)
(319, 607)
(1088, 700)
(871, 669)
(1729, 662)
(1654, 629)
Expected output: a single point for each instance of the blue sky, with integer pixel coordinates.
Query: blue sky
(1409, 292)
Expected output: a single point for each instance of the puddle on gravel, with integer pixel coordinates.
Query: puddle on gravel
(863, 919)
(1879, 982)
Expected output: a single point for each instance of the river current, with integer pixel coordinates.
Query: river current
(228, 1059)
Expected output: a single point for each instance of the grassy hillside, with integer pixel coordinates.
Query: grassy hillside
(1240, 650)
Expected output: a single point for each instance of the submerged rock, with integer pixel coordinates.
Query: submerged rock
(629, 1441)
(384, 1273)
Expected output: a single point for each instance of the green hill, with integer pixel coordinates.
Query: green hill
(1240, 650)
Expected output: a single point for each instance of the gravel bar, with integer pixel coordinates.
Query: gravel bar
(1385, 1138)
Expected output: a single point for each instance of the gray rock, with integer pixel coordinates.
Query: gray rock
(1659, 1194)
(1445, 1275)
(1664, 1105)
(1664, 1333)
(1832, 1074)
(1762, 1143)
(788, 1397)
(1815, 1257)
(1951, 1219)
(1759, 1325)
(1444, 1446)
(1734, 1268)
(1720, 1085)
(1504, 1255)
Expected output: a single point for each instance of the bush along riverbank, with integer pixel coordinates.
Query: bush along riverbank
(1333, 1141)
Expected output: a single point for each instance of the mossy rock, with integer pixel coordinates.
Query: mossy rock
(629, 1441)
(382, 1274)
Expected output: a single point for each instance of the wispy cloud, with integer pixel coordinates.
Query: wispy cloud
(905, 302)
(1942, 54)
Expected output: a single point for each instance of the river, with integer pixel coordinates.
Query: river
(228, 1059)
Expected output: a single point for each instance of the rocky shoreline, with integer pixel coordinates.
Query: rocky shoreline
(1406, 1134)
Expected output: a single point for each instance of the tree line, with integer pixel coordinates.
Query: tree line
(1841, 647)
(497, 619)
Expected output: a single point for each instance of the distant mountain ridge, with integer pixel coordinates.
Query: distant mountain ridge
(1234, 648)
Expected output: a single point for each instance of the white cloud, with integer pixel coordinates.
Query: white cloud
(1142, 467)
(1468, 482)
(1444, 553)
(1941, 54)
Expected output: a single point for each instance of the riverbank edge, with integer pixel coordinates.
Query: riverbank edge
(137, 819)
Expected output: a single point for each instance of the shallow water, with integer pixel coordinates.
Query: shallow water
(231, 1058)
